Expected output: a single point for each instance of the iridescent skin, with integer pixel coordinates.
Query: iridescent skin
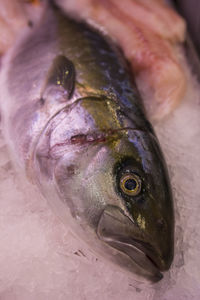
(76, 125)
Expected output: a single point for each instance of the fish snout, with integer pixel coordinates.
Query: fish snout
(160, 248)
(120, 232)
(160, 255)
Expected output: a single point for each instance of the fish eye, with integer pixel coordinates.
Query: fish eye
(130, 184)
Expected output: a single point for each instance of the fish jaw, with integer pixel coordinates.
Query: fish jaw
(118, 231)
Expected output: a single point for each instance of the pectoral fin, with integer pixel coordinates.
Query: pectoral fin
(60, 78)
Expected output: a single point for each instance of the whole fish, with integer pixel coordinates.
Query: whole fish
(76, 124)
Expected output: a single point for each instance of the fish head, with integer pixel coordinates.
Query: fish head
(141, 215)
(115, 185)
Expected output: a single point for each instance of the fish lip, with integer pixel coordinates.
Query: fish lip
(150, 253)
(117, 230)
(144, 259)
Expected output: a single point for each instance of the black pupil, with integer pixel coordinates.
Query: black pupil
(130, 184)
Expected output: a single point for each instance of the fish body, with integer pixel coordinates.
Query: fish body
(76, 124)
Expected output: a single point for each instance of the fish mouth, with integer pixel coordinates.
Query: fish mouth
(117, 231)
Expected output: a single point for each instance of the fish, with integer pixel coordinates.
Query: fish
(76, 126)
